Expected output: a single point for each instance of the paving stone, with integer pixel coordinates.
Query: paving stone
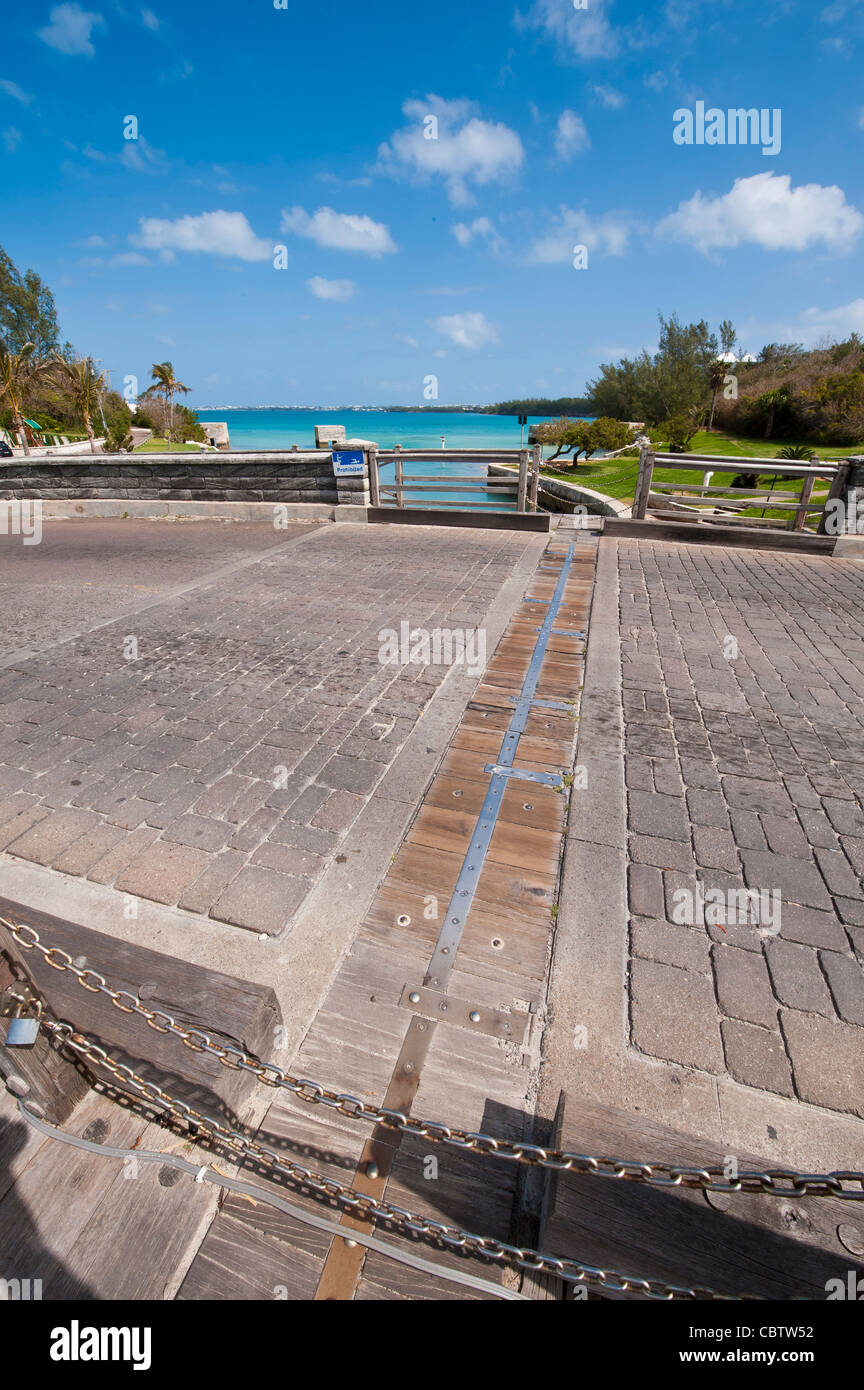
(286, 859)
(743, 986)
(851, 910)
(685, 947)
(349, 774)
(756, 1056)
(200, 832)
(747, 829)
(307, 803)
(841, 879)
(646, 891)
(785, 836)
(715, 849)
(707, 808)
(19, 824)
(48, 837)
(106, 869)
(167, 784)
(662, 854)
(261, 900)
(817, 828)
(812, 928)
(249, 835)
(750, 794)
(797, 880)
(798, 981)
(162, 872)
(219, 872)
(674, 1015)
(84, 853)
(827, 1061)
(220, 798)
(338, 812)
(846, 980)
(853, 848)
(662, 816)
(638, 773)
(845, 816)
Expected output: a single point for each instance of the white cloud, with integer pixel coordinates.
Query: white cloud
(839, 322)
(218, 233)
(342, 231)
(448, 140)
(70, 29)
(332, 289)
(609, 97)
(765, 210)
(140, 156)
(13, 90)
(606, 235)
(571, 135)
(470, 330)
(584, 33)
(11, 139)
(482, 228)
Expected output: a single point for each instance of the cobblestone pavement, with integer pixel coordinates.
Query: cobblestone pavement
(211, 749)
(88, 571)
(743, 675)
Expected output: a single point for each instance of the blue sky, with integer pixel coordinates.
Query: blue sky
(407, 257)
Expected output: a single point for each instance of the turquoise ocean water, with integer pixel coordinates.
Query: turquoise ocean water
(279, 429)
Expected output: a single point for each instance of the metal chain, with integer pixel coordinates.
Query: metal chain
(775, 1182)
(363, 1206)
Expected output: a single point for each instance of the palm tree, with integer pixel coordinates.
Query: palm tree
(84, 384)
(772, 401)
(18, 372)
(165, 384)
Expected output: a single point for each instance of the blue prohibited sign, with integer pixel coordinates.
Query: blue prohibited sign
(348, 463)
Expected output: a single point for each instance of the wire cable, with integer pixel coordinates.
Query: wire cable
(260, 1194)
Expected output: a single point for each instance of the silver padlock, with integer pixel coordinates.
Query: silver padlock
(23, 1030)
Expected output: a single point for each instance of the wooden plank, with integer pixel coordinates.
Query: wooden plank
(232, 1010)
(755, 1245)
(41, 1072)
(237, 1262)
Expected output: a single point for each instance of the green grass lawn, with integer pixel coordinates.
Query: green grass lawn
(161, 446)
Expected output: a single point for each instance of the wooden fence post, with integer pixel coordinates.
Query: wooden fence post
(535, 476)
(806, 493)
(837, 489)
(643, 483)
(523, 480)
(374, 493)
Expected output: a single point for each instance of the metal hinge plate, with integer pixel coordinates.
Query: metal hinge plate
(443, 1008)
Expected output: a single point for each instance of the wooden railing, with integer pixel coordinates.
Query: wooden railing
(726, 505)
(523, 486)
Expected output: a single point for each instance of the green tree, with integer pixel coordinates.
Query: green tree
(166, 385)
(19, 373)
(727, 336)
(27, 311)
(771, 402)
(83, 384)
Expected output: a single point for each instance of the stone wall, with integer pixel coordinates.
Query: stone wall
(204, 477)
